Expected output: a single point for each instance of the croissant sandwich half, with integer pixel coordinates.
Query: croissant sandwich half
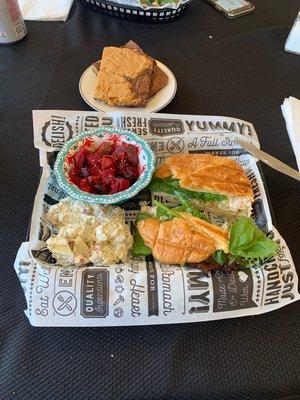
(184, 239)
(213, 183)
(181, 236)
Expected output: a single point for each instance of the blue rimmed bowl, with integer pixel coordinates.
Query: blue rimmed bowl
(64, 164)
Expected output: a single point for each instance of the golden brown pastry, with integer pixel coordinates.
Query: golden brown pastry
(211, 174)
(207, 173)
(182, 240)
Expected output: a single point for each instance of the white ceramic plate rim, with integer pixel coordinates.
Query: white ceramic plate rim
(162, 103)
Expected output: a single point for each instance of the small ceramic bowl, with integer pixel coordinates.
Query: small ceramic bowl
(64, 163)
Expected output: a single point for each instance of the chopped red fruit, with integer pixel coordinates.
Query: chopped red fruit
(93, 159)
(129, 152)
(111, 168)
(107, 174)
(74, 178)
(84, 185)
(79, 158)
(118, 185)
(108, 162)
(105, 148)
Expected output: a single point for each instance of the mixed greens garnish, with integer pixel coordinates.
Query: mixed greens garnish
(248, 245)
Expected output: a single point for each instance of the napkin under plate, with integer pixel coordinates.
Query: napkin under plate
(291, 112)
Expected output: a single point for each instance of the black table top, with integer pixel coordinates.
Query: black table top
(226, 67)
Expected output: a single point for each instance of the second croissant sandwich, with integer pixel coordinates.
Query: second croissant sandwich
(185, 239)
(180, 236)
(213, 183)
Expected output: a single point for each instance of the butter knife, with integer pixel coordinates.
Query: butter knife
(269, 160)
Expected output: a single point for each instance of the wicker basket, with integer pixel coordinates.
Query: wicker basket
(154, 15)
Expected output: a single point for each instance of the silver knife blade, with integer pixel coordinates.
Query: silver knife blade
(269, 160)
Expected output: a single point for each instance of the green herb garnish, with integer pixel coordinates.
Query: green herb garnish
(248, 245)
(247, 241)
(220, 257)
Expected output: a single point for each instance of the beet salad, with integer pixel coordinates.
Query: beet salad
(111, 168)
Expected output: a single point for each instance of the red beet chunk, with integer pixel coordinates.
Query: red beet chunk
(131, 174)
(127, 171)
(108, 162)
(95, 170)
(118, 185)
(106, 148)
(79, 158)
(93, 180)
(93, 159)
(129, 152)
(84, 185)
(132, 155)
(110, 169)
(107, 175)
(100, 189)
(85, 172)
(74, 177)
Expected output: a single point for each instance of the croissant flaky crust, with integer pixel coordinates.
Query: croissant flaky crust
(206, 173)
(182, 240)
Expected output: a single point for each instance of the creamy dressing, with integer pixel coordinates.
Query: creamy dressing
(240, 206)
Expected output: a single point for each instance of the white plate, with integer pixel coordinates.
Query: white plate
(87, 85)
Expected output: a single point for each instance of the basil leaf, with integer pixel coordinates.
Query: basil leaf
(247, 241)
(206, 197)
(139, 248)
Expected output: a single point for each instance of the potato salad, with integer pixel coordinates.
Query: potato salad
(86, 233)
